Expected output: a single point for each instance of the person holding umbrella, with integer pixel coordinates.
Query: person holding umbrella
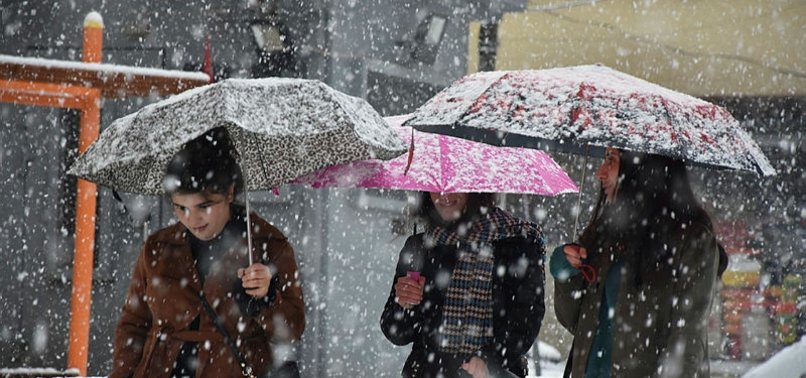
(195, 307)
(636, 290)
(467, 292)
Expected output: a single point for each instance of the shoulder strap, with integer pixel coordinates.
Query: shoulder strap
(245, 368)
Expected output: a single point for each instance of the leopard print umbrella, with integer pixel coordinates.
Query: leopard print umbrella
(281, 129)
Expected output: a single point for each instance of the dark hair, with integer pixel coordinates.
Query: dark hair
(206, 165)
(654, 198)
(477, 203)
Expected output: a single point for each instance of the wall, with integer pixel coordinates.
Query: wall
(703, 48)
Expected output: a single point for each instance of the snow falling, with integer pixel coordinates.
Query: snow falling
(383, 58)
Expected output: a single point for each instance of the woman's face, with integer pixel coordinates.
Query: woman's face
(204, 215)
(608, 173)
(450, 206)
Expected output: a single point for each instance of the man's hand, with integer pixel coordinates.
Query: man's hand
(255, 279)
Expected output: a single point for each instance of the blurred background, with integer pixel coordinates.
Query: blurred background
(748, 56)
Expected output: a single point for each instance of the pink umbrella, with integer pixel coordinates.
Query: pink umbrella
(447, 164)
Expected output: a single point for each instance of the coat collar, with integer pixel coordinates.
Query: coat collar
(176, 234)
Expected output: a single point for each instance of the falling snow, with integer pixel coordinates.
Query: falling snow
(385, 58)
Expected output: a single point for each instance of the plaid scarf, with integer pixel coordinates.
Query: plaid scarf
(467, 315)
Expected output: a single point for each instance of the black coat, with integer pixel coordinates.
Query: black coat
(518, 307)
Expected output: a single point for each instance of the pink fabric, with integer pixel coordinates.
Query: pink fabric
(446, 164)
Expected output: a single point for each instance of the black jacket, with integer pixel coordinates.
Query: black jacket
(518, 307)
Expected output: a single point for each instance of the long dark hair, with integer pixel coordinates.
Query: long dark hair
(477, 204)
(654, 201)
(205, 165)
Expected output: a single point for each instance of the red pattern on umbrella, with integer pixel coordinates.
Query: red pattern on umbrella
(591, 105)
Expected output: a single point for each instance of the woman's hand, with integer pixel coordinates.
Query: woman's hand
(255, 279)
(476, 368)
(575, 253)
(409, 292)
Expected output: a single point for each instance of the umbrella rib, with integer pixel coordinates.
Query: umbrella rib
(442, 163)
(410, 157)
(264, 165)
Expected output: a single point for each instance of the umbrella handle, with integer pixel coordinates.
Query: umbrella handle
(248, 227)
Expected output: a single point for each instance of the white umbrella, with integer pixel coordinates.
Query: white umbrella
(280, 129)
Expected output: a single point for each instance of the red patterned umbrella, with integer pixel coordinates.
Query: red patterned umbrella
(564, 109)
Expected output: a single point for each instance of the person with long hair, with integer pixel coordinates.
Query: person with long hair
(636, 290)
(195, 307)
(468, 291)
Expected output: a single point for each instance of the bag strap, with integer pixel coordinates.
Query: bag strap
(246, 370)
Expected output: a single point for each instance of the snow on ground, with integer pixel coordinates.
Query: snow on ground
(552, 362)
(549, 370)
(789, 362)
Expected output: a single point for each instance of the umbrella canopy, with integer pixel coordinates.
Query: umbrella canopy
(281, 129)
(445, 164)
(566, 108)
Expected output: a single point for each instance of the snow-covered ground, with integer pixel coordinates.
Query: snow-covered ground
(552, 362)
(549, 370)
(789, 362)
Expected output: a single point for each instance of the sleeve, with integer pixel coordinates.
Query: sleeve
(568, 291)
(524, 312)
(283, 314)
(697, 263)
(560, 268)
(135, 321)
(399, 325)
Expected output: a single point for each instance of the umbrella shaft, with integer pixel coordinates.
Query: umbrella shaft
(248, 227)
(579, 194)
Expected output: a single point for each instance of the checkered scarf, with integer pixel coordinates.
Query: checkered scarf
(467, 315)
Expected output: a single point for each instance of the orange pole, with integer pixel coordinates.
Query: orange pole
(93, 38)
(80, 302)
(44, 94)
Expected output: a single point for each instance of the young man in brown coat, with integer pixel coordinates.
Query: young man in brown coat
(195, 307)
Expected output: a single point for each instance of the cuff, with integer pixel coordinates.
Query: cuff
(559, 266)
(256, 305)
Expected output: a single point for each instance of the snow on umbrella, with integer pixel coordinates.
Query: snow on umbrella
(445, 164)
(566, 108)
(281, 128)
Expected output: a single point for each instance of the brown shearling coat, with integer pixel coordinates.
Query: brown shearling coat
(163, 301)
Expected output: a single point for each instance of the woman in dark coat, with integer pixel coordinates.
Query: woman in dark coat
(165, 330)
(467, 292)
(637, 289)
